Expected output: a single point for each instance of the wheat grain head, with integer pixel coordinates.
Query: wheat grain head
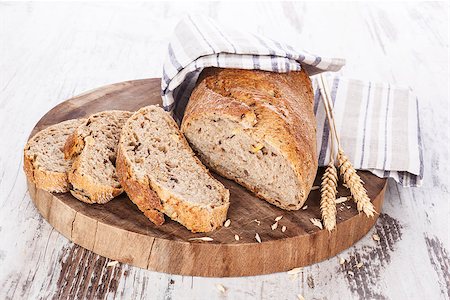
(328, 193)
(355, 184)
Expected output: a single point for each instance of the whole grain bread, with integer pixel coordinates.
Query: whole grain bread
(44, 162)
(161, 174)
(258, 129)
(92, 146)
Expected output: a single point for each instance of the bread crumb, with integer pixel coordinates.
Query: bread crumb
(112, 263)
(359, 265)
(221, 288)
(300, 297)
(305, 207)
(351, 273)
(283, 229)
(204, 239)
(294, 271)
(341, 260)
(274, 226)
(278, 218)
(316, 187)
(257, 238)
(236, 237)
(316, 222)
(227, 223)
(257, 221)
(376, 237)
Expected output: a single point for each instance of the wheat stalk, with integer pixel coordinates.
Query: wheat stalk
(348, 172)
(328, 189)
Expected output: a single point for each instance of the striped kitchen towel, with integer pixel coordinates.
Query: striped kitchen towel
(198, 42)
(378, 124)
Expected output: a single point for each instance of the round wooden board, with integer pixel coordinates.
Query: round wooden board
(118, 230)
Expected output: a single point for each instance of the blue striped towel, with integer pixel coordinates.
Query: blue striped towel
(378, 124)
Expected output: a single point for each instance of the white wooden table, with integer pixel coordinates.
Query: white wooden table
(50, 52)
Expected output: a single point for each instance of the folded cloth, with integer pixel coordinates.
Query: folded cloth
(378, 127)
(198, 42)
(378, 124)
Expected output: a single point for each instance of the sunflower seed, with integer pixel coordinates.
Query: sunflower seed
(340, 200)
(274, 226)
(221, 288)
(359, 265)
(316, 222)
(227, 223)
(258, 238)
(376, 237)
(305, 207)
(283, 229)
(351, 273)
(236, 237)
(300, 297)
(112, 263)
(205, 239)
(316, 187)
(294, 271)
(341, 260)
(278, 218)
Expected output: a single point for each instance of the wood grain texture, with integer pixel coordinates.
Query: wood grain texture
(119, 231)
(53, 51)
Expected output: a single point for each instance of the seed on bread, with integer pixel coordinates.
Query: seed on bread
(257, 147)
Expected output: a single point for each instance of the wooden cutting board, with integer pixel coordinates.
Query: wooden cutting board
(118, 230)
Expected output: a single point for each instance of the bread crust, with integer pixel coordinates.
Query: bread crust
(55, 182)
(100, 194)
(82, 186)
(147, 195)
(51, 181)
(139, 192)
(282, 104)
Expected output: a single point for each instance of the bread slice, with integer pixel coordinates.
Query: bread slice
(161, 174)
(92, 146)
(258, 129)
(44, 162)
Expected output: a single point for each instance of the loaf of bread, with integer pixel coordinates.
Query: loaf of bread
(92, 146)
(43, 159)
(258, 129)
(161, 174)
